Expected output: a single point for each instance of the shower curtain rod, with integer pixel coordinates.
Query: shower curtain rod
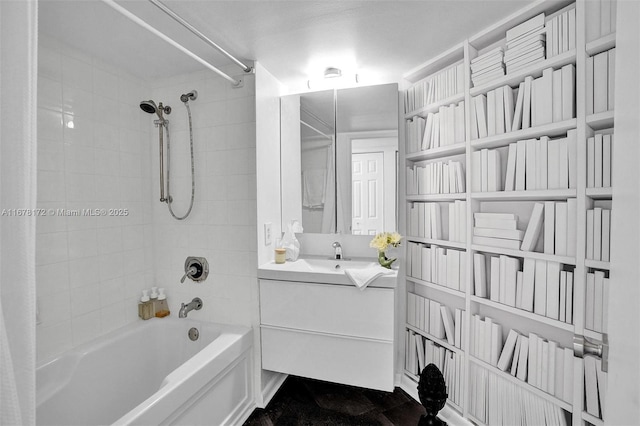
(143, 24)
(195, 31)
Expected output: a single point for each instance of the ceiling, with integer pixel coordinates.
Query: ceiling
(294, 40)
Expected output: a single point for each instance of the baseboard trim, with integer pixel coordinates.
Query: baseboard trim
(270, 389)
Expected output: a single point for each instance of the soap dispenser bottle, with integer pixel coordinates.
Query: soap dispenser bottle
(145, 307)
(154, 301)
(162, 307)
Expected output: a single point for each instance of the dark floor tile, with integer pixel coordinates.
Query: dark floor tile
(387, 400)
(302, 402)
(408, 413)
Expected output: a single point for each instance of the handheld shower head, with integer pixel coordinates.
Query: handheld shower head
(149, 107)
(193, 95)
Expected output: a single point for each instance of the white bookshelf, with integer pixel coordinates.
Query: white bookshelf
(585, 126)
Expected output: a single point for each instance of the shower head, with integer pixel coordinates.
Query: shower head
(149, 107)
(191, 95)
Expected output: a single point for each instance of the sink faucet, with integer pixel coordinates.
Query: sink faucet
(338, 250)
(196, 304)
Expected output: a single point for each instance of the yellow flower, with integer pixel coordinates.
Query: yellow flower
(394, 239)
(384, 239)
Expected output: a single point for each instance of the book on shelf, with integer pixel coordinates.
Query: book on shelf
(600, 91)
(561, 33)
(596, 301)
(601, 378)
(599, 161)
(600, 18)
(591, 386)
(444, 84)
(596, 234)
(533, 229)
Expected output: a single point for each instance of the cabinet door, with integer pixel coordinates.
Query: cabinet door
(336, 309)
(340, 359)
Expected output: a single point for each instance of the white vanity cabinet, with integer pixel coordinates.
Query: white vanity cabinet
(332, 332)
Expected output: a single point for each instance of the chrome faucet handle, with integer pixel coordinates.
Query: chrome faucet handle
(189, 272)
(338, 250)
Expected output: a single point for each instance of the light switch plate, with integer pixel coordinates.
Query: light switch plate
(267, 234)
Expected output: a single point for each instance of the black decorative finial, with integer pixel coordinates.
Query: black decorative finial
(433, 395)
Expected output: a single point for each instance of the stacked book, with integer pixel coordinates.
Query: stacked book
(525, 44)
(537, 286)
(498, 401)
(561, 33)
(487, 66)
(598, 234)
(437, 265)
(599, 161)
(497, 230)
(597, 300)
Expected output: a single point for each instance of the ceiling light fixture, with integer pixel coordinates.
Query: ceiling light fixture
(332, 73)
(333, 78)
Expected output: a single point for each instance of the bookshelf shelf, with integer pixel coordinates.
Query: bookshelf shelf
(598, 264)
(551, 130)
(422, 112)
(595, 335)
(530, 315)
(440, 342)
(595, 421)
(534, 70)
(601, 120)
(526, 254)
(599, 193)
(437, 287)
(600, 45)
(560, 403)
(437, 197)
(441, 243)
(548, 194)
(443, 151)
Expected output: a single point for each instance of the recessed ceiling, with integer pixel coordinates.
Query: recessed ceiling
(294, 40)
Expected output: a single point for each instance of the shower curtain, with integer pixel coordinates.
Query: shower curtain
(18, 82)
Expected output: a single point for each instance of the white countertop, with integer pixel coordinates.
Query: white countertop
(317, 269)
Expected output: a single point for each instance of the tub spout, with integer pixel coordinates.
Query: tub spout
(196, 304)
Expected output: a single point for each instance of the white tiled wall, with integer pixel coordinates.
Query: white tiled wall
(222, 225)
(90, 270)
(93, 153)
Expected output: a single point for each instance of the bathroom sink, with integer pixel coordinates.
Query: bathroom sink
(322, 270)
(333, 266)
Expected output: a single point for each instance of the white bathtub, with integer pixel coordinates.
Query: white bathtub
(151, 373)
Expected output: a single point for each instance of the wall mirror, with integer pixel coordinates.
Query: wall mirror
(339, 160)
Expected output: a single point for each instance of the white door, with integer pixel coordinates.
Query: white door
(367, 173)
